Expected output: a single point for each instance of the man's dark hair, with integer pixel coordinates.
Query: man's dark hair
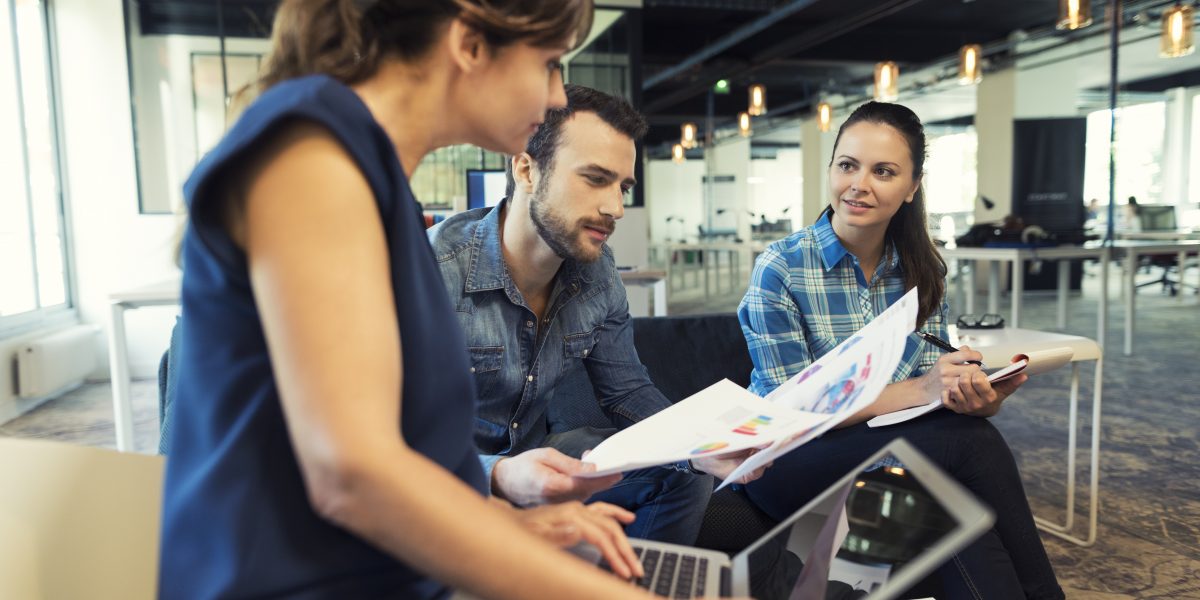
(618, 113)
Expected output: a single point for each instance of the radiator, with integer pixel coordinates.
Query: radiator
(56, 362)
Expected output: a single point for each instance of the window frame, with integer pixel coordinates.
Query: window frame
(66, 313)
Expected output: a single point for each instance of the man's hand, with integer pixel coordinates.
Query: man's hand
(546, 476)
(598, 524)
(721, 466)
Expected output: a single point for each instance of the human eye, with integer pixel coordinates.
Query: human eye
(554, 65)
(596, 180)
(884, 172)
(845, 166)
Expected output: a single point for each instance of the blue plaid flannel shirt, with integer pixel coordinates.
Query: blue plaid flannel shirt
(808, 293)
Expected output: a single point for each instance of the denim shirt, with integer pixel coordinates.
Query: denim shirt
(518, 362)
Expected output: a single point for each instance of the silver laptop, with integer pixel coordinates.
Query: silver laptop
(905, 518)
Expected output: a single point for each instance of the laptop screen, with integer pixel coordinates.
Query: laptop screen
(883, 521)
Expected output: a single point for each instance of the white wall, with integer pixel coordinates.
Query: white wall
(674, 190)
(114, 247)
(775, 185)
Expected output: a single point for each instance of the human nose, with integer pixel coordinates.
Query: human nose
(558, 94)
(615, 206)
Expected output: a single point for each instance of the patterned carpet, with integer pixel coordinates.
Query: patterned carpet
(1149, 540)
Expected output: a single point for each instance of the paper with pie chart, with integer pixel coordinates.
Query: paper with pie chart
(726, 418)
(721, 419)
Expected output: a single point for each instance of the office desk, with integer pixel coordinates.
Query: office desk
(710, 251)
(164, 293)
(1131, 251)
(998, 346)
(1018, 256)
(656, 281)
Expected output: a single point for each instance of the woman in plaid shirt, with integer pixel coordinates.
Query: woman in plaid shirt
(817, 287)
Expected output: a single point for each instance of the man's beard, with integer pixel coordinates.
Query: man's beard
(562, 239)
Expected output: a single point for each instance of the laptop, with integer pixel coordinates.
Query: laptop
(905, 518)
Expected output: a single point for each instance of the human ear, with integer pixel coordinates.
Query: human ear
(468, 49)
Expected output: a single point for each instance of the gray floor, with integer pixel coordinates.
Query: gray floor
(1149, 544)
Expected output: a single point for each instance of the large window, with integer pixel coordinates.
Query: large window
(1140, 130)
(951, 181)
(33, 263)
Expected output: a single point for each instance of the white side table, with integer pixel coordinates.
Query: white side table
(164, 293)
(998, 346)
(656, 281)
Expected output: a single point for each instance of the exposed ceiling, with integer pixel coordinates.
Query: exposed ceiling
(799, 49)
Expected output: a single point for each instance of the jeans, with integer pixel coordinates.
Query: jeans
(669, 504)
(1008, 561)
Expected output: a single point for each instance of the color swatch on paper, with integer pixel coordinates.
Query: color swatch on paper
(751, 427)
(711, 447)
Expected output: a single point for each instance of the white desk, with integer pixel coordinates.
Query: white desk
(164, 293)
(656, 281)
(998, 256)
(709, 253)
(1131, 250)
(998, 346)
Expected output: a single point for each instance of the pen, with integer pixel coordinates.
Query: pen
(940, 343)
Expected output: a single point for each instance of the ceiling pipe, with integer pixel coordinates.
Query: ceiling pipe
(730, 40)
(812, 38)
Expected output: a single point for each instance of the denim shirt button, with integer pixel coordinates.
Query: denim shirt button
(529, 323)
(530, 378)
(515, 425)
(585, 352)
(472, 369)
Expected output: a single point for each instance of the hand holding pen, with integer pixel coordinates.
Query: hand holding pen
(944, 345)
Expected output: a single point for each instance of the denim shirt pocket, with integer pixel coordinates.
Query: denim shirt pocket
(486, 362)
(578, 345)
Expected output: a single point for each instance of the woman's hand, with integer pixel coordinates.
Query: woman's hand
(964, 388)
(598, 523)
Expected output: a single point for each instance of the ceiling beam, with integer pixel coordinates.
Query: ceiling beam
(782, 50)
(728, 41)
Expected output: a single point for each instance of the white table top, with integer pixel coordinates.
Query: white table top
(998, 346)
(163, 292)
(1088, 250)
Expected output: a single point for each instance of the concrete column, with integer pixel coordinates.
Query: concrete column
(1177, 150)
(816, 151)
(994, 114)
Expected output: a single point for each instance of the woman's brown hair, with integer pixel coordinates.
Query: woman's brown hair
(907, 231)
(348, 39)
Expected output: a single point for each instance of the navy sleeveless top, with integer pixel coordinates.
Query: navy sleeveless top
(236, 517)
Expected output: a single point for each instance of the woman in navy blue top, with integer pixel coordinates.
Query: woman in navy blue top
(322, 443)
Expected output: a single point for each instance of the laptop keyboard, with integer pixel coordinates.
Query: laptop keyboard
(671, 574)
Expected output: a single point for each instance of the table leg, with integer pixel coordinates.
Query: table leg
(958, 286)
(1018, 291)
(706, 260)
(1102, 317)
(118, 358)
(970, 304)
(659, 289)
(994, 286)
(1064, 286)
(1182, 261)
(1063, 530)
(1131, 258)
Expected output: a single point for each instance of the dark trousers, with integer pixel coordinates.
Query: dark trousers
(1007, 562)
(669, 504)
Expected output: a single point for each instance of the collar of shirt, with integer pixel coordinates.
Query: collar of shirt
(832, 250)
(488, 271)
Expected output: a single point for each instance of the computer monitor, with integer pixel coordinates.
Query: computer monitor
(1157, 217)
(485, 188)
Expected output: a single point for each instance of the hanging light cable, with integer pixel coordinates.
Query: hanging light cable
(687, 137)
(969, 70)
(1074, 14)
(758, 100)
(1178, 24)
(824, 116)
(887, 76)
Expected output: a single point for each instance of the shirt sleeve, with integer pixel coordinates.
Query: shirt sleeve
(622, 386)
(929, 354)
(772, 324)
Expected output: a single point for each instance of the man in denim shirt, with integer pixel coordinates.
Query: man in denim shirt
(538, 294)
